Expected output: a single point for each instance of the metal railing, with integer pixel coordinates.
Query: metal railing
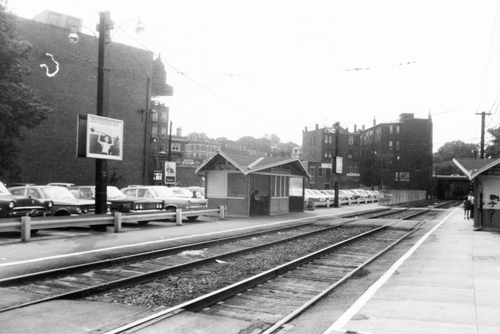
(26, 223)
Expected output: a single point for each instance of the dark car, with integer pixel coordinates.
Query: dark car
(65, 204)
(172, 202)
(120, 202)
(13, 206)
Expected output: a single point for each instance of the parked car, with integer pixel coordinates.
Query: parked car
(172, 202)
(347, 195)
(61, 184)
(343, 198)
(64, 203)
(118, 201)
(311, 195)
(373, 195)
(199, 192)
(363, 195)
(14, 206)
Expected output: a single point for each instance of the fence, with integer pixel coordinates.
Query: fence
(393, 197)
(27, 224)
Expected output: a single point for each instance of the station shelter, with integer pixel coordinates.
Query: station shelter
(251, 185)
(485, 177)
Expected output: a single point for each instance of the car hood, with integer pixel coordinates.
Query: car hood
(73, 201)
(21, 200)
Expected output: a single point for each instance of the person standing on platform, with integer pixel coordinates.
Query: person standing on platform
(466, 206)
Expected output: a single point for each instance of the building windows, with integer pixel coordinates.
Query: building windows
(163, 132)
(390, 144)
(312, 170)
(397, 129)
(351, 140)
(397, 144)
(154, 117)
(176, 147)
(154, 131)
(391, 129)
(328, 153)
(320, 172)
(164, 116)
(162, 148)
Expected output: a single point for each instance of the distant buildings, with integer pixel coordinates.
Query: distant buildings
(395, 155)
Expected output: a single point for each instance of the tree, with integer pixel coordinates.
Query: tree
(19, 107)
(493, 149)
(443, 159)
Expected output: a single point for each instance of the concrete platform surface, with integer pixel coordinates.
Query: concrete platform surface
(449, 282)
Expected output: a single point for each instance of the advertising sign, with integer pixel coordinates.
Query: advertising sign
(402, 176)
(338, 165)
(170, 169)
(104, 138)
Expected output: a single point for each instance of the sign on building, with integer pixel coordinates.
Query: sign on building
(402, 176)
(170, 171)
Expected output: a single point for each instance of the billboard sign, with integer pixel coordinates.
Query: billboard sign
(170, 172)
(104, 138)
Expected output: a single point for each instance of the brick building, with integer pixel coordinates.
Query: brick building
(319, 147)
(394, 155)
(397, 155)
(68, 85)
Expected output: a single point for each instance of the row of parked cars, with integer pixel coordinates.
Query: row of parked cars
(325, 196)
(66, 199)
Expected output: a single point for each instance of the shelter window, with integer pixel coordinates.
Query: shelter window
(280, 186)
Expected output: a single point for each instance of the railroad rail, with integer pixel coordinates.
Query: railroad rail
(273, 298)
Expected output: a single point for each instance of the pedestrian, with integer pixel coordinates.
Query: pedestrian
(466, 207)
(470, 198)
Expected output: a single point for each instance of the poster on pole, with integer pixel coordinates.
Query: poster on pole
(170, 170)
(104, 138)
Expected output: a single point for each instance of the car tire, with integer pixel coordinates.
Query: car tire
(192, 218)
(171, 210)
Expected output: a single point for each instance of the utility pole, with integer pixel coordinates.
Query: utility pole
(101, 167)
(337, 176)
(483, 116)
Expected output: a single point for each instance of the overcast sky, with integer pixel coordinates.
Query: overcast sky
(261, 67)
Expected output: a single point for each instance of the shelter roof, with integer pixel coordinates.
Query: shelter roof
(474, 167)
(247, 164)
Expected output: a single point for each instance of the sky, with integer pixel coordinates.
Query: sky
(251, 68)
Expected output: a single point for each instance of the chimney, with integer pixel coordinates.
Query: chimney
(317, 126)
(355, 128)
(374, 121)
(179, 132)
(363, 127)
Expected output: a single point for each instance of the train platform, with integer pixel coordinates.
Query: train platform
(448, 282)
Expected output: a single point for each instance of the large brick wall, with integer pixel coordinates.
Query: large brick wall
(48, 153)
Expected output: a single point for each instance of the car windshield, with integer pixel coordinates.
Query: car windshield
(3, 190)
(163, 192)
(114, 192)
(182, 193)
(55, 192)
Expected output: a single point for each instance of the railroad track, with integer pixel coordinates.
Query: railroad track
(269, 300)
(91, 279)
